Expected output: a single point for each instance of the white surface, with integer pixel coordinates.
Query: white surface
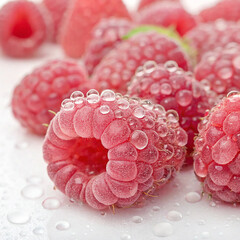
(21, 158)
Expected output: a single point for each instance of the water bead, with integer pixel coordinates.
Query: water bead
(150, 66)
(18, 217)
(62, 225)
(104, 109)
(155, 88)
(123, 104)
(76, 95)
(184, 98)
(67, 104)
(92, 91)
(51, 203)
(147, 104)
(163, 229)
(172, 116)
(137, 219)
(139, 112)
(118, 113)
(181, 137)
(139, 139)
(236, 62)
(32, 192)
(193, 197)
(171, 66)
(162, 130)
(159, 109)
(93, 98)
(174, 216)
(232, 93)
(139, 72)
(108, 95)
(166, 89)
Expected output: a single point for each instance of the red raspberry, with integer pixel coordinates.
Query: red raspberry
(22, 28)
(108, 150)
(43, 90)
(80, 20)
(167, 14)
(105, 37)
(146, 3)
(217, 156)
(175, 89)
(57, 10)
(219, 69)
(208, 36)
(225, 9)
(119, 66)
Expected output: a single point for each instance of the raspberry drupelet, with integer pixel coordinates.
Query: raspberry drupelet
(43, 90)
(119, 66)
(176, 89)
(217, 150)
(219, 69)
(110, 149)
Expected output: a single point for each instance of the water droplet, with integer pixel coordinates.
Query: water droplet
(232, 93)
(104, 109)
(172, 116)
(18, 217)
(77, 97)
(137, 219)
(212, 204)
(139, 139)
(92, 91)
(67, 104)
(139, 112)
(32, 192)
(62, 225)
(150, 66)
(34, 180)
(163, 229)
(108, 95)
(205, 235)
(156, 208)
(51, 203)
(147, 104)
(139, 72)
(93, 98)
(118, 113)
(126, 237)
(21, 145)
(166, 89)
(38, 231)
(193, 197)
(171, 66)
(174, 216)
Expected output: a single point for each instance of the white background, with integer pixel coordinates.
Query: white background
(21, 158)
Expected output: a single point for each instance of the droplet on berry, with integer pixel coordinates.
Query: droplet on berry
(147, 104)
(139, 112)
(172, 116)
(139, 72)
(123, 103)
(93, 98)
(104, 109)
(139, 139)
(92, 91)
(108, 95)
(232, 93)
(150, 66)
(171, 66)
(77, 94)
(67, 104)
(184, 98)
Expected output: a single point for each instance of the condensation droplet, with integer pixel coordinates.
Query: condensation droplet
(38, 231)
(104, 109)
(126, 237)
(156, 208)
(32, 192)
(108, 95)
(92, 92)
(137, 219)
(174, 216)
(232, 93)
(139, 112)
(93, 98)
(62, 225)
(172, 116)
(193, 197)
(150, 66)
(123, 104)
(212, 204)
(21, 145)
(67, 104)
(77, 97)
(205, 235)
(18, 217)
(171, 66)
(163, 229)
(34, 180)
(139, 139)
(51, 203)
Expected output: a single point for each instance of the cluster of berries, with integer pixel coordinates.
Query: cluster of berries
(168, 84)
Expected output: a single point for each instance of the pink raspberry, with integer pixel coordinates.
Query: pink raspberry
(109, 149)
(207, 36)
(217, 155)
(175, 89)
(22, 28)
(225, 9)
(219, 69)
(43, 90)
(146, 3)
(80, 20)
(119, 66)
(105, 37)
(57, 10)
(167, 14)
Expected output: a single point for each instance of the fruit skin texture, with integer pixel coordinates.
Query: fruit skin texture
(79, 22)
(43, 90)
(146, 3)
(208, 36)
(107, 150)
(216, 158)
(107, 34)
(57, 10)
(167, 14)
(22, 28)
(220, 69)
(119, 66)
(174, 89)
(225, 9)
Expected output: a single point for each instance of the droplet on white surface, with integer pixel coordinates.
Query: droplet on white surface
(156, 208)
(212, 204)
(163, 229)
(126, 237)
(137, 219)
(21, 145)
(174, 216)
(62, 225)
(205, 235)
(32, 192)
(38, 231)
(18, 217)
(193, 197)
(51, 203)
(34, 180)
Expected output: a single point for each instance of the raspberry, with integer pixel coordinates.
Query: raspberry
(57, 10)
(43, 90)
(217, 157)
(117, 68)
(175, 89)
(225, 9)
(79, 22)
(167, 14)
(108, 150)
(207, 36)
(22, 28)
(106, 36)
(220, 68)
(146, 3)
